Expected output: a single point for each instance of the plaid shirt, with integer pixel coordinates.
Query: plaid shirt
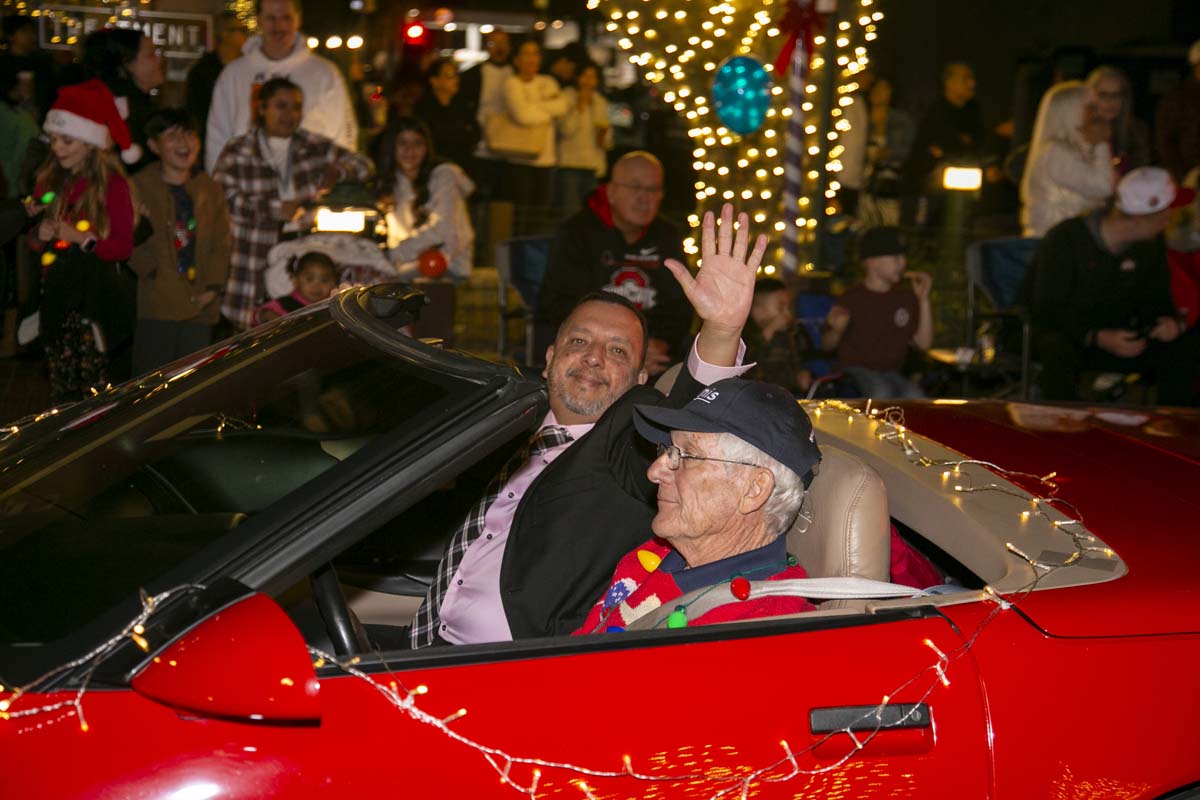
(425, 623)
(252, 192)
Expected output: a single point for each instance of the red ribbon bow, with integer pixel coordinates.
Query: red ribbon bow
(800, 19)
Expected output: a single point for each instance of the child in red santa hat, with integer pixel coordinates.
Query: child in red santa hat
(85, 233)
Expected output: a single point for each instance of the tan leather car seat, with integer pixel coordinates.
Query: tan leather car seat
(844, 529)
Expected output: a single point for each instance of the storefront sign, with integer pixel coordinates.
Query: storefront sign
(179, 35)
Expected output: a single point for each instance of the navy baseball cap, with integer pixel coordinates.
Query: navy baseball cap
(762, 414)
(884, 240)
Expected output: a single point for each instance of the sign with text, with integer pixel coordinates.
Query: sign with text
(178, 35)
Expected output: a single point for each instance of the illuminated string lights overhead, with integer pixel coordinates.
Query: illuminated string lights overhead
(679, 46)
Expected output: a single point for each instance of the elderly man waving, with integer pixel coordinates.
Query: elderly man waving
(732, 470)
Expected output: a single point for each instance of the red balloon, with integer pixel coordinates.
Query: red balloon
(740, 587)
(432, 263)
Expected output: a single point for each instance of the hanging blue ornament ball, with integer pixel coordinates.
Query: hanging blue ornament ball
(741, 94)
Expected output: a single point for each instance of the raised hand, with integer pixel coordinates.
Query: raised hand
(723, 288)
(922, 282)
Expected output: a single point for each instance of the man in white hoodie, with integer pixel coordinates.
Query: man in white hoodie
(279, 51)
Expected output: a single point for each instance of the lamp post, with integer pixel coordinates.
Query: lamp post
(961, 184)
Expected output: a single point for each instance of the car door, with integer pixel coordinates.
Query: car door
(239, 706)
(692, 713)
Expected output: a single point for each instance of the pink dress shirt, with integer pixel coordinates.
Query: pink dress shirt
(472, 610)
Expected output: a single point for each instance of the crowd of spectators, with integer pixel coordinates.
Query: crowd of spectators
(1068, 161)
(269, 127)
(184, 221)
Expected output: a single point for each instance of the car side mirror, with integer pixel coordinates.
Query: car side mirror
(246, 661)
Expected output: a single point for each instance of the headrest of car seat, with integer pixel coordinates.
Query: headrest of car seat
(843, 529)
(666, 381)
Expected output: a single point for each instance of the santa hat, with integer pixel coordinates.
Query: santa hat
(87, 112)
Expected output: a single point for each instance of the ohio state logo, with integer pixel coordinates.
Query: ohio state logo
(634, 286)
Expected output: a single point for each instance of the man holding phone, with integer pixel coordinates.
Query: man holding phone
(1102, 294)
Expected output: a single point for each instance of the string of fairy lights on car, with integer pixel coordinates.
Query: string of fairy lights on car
(684, 50)
(524, 774)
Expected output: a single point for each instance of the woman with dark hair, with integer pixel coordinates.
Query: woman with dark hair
(533, 102)
(272, 175)
(1112, 103)
(450, 115)
(427, 199)
(128, 63)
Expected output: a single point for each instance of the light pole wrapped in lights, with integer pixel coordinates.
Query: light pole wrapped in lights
(801, 21)
(680, 47)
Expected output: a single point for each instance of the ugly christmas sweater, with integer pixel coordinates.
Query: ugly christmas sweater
(649, 577)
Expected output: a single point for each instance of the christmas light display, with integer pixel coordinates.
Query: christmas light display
(680, 48)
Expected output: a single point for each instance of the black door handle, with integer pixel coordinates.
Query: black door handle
(868, 718)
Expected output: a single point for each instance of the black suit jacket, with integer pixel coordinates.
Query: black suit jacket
(585, 511)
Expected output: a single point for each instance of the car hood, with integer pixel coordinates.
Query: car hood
(1133, 475)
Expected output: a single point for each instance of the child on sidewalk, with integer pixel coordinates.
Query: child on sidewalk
(873, 323)
(314, 277)
(85, 232)
(183, 266)
(774, 339)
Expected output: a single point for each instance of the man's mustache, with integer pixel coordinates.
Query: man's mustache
(591, 373)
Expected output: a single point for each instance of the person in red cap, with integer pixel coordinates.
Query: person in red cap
(1101, 295)
(85, 232)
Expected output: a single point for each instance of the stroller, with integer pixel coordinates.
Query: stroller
(350, 229)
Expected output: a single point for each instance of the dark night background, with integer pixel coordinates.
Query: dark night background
(1149, 39)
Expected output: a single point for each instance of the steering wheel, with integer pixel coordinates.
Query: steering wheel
(344, 629)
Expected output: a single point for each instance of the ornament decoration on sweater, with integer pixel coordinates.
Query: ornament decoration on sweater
(640, 587)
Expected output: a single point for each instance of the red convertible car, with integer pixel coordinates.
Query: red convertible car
(208, 574)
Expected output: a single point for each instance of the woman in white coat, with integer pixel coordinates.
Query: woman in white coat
(533, 101)
(1070, 168)
(584, 139)
(427, 199)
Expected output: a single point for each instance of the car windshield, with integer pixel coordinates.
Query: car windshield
(103, 497)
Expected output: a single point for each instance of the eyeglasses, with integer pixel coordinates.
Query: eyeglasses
(653, 191)
(675, 457)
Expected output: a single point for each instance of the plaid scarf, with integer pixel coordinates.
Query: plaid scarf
(427, 619)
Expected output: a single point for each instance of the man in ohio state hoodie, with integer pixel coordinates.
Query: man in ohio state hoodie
(279, 51)
(618, 243)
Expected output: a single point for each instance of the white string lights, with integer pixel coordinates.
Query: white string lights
(679, 46)
(1045, 506)
(726, 781)
(525, 774)
(135, 629)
